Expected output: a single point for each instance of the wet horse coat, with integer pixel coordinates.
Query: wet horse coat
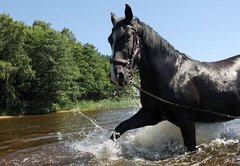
(173, 76)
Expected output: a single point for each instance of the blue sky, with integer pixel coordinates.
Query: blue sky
(206, 30)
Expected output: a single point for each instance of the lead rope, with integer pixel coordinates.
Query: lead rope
(184, 106)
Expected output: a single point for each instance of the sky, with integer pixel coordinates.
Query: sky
(206, 30)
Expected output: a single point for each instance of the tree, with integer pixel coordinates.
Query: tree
(56, 71)
(95, 74)
(66, 32)
(43, 70)
(41, 24)
(16, 70)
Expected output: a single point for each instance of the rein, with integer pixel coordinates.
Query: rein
(184, 106)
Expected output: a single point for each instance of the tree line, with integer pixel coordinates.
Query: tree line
(43, 70)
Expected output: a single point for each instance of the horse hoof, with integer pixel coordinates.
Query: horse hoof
(115, 136)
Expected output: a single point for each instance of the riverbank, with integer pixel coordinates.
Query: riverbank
(105, 104)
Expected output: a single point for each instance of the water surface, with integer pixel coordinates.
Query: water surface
(81, 138)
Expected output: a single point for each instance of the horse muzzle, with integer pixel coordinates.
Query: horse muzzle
(118, 75)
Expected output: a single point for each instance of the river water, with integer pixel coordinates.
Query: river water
(81, 138)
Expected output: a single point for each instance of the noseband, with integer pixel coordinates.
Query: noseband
(135, 53)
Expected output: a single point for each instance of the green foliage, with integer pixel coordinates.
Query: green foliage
(43, 70)
(16, 72)
(56, 71)
(94, 80)
(106, 104)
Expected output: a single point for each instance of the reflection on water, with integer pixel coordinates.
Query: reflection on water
(75, 138)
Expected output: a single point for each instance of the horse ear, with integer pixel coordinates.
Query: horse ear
(128, 13)
(113, 18)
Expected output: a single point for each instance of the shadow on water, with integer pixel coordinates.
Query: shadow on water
(82, 138)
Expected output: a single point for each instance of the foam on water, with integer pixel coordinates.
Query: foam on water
(97, 148)
(162, 144)
(206, 132)
(152, 143)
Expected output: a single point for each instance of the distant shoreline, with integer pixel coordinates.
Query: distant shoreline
(105, 104)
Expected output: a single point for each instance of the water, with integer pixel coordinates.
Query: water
(82, 138)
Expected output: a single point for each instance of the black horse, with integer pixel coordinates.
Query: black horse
(167, 73)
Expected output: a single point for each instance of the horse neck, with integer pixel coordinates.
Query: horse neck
(160, 60)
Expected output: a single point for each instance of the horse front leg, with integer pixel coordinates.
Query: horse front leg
(140, 119)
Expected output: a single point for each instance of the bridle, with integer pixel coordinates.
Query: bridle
(135, 53)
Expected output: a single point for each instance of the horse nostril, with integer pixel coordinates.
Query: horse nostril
(120, 77)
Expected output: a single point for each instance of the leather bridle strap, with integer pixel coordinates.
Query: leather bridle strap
(119, 60)
(135, 54)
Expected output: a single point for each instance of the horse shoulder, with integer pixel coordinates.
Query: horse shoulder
(182, 83)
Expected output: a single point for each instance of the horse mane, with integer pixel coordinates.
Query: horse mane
(155, 41)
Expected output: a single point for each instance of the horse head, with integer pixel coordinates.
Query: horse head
(125, 42)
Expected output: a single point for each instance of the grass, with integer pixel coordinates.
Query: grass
(107, 104)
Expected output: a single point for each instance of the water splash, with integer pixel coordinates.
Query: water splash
(91, 120)
(153, 143)
(97, 148)
(156, 144)
(162, 144)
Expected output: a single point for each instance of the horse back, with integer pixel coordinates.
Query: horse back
(212, 86)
